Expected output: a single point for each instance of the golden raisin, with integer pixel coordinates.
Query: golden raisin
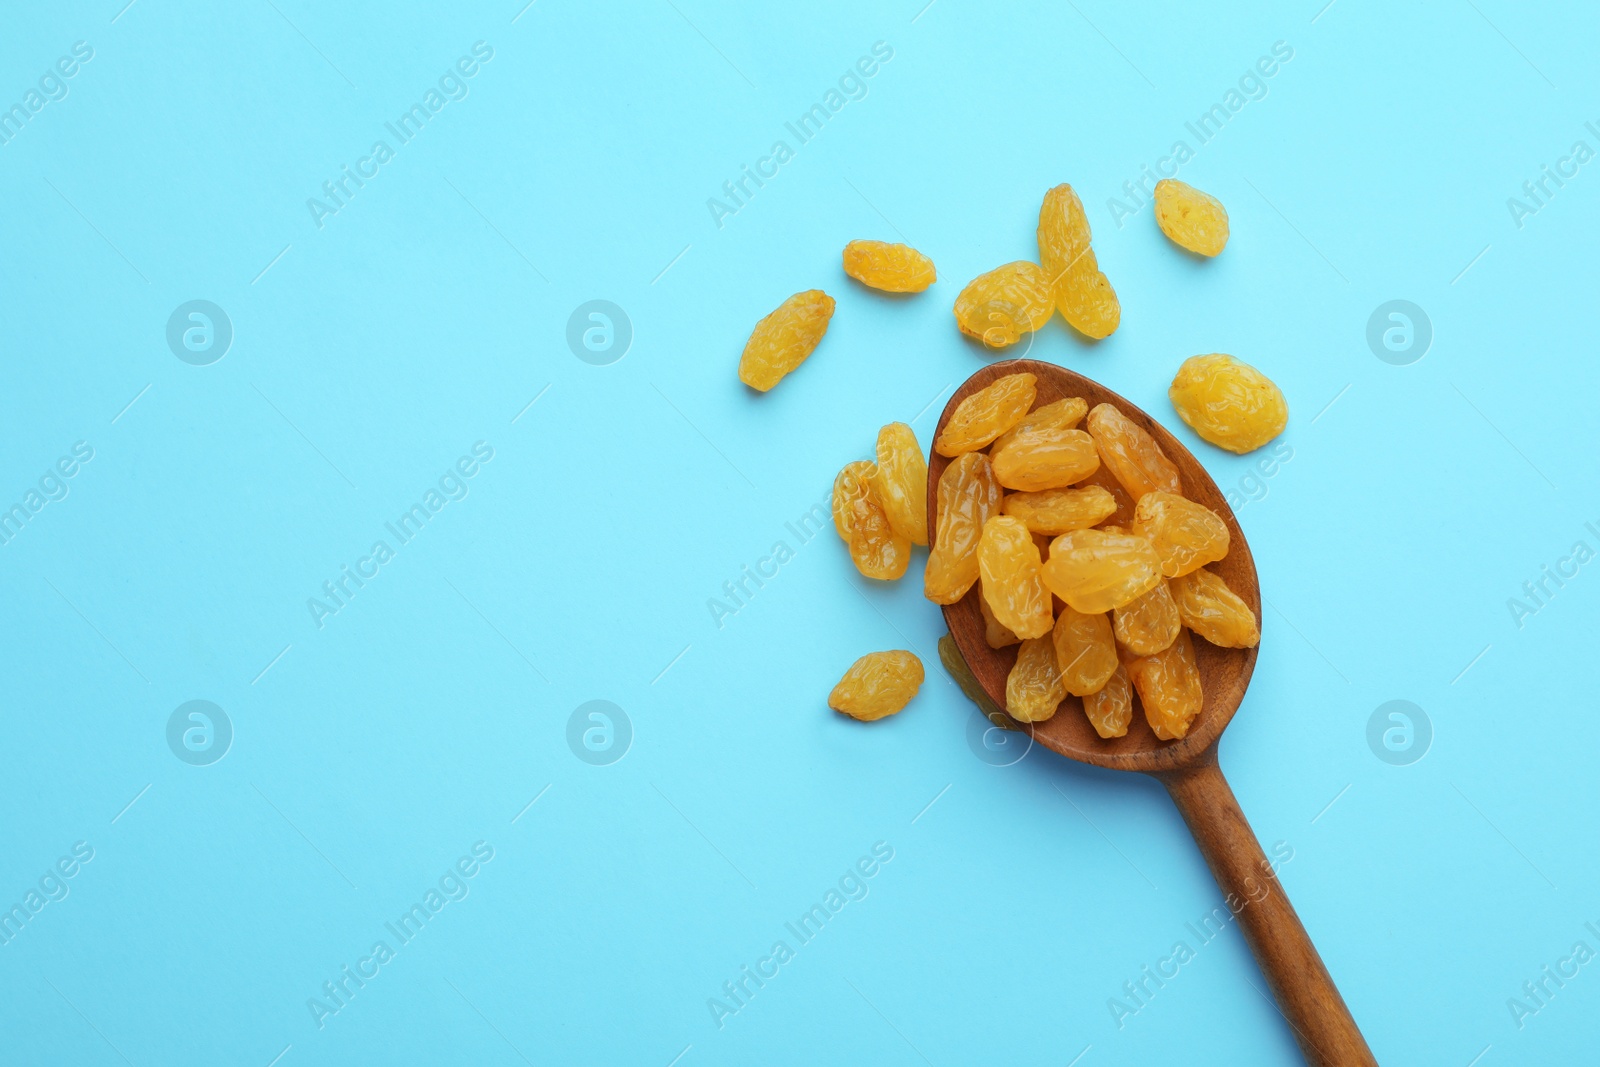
(876, 685)
(1085, 652)
(1044, 459)
(1009, 565)
(1184, 534)
(782, 341)
(999, 307)
(892, 268)
(986, 414)
(858, 515)
(967, 496)
(1080, 290)
(902, 482)
(1215, 612)
(1059, 511)
(1033, 688)
(995, 635)
(1131, 453)
(1169, 687)
(1061, 415)
(1104, 479)
(1194, 220)
(1149, 623)
(1229, 403)
(1110, 708)
(1094, 571)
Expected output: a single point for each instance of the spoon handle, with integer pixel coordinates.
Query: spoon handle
(1327, 1034)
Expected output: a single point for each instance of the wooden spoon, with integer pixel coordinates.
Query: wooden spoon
(1187, 767)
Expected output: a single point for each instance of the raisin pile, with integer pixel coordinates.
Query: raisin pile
(1071, 522)
(1101, 610)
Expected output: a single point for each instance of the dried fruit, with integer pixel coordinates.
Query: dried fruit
(986, 414)
(1229, 403)
(1184, 534)
(1147, 624)
(1104, 479)
(1095, 571)
(1059, 511)
(956, 666)
(967, 495)
(782, 341)
(1033, 688)
(1194, 220)
(1110, 708)
(1061, 415)
(858, 515)
(1009, 565)
(1169, 687)
(999, 307)
(1131, 453)
(892, 268)
(1082, 293)
(902, 482)
(995, 635)
(1085, 652)
(1215, 612)
(877, 684)
(1044, 459)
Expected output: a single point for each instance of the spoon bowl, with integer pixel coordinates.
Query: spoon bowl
(1307, 997)
(1224, 672)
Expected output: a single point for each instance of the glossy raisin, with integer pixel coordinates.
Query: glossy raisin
(967, 496)
(902, 482)
(1085, 651)
(986, 414)
(1149, 623)
(1131, 454)
(1080, 289)
(1169, 687)
(1110, 708)
(1228, 402)
(858, 515)
(1061, 415)
(1192, 219)
(1033, 688)
(892, 268)
(876, 685)
(1184, 534)
(995, 634)
(1009, 565)
(782, 341)
(1095, 571)
(1215, 612)
(1044, 459)
(999, 307)
(1059, 511)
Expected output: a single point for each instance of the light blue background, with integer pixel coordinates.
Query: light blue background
(369, 354)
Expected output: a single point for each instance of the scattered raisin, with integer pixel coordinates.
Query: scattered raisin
(999, 307)
(892, 268)
(782, 341)
(1229, 403)
(876, 685)
(902, 482)
(1194, 220)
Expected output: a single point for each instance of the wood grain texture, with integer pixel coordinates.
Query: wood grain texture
(1188, 767)
(1310, 1002)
